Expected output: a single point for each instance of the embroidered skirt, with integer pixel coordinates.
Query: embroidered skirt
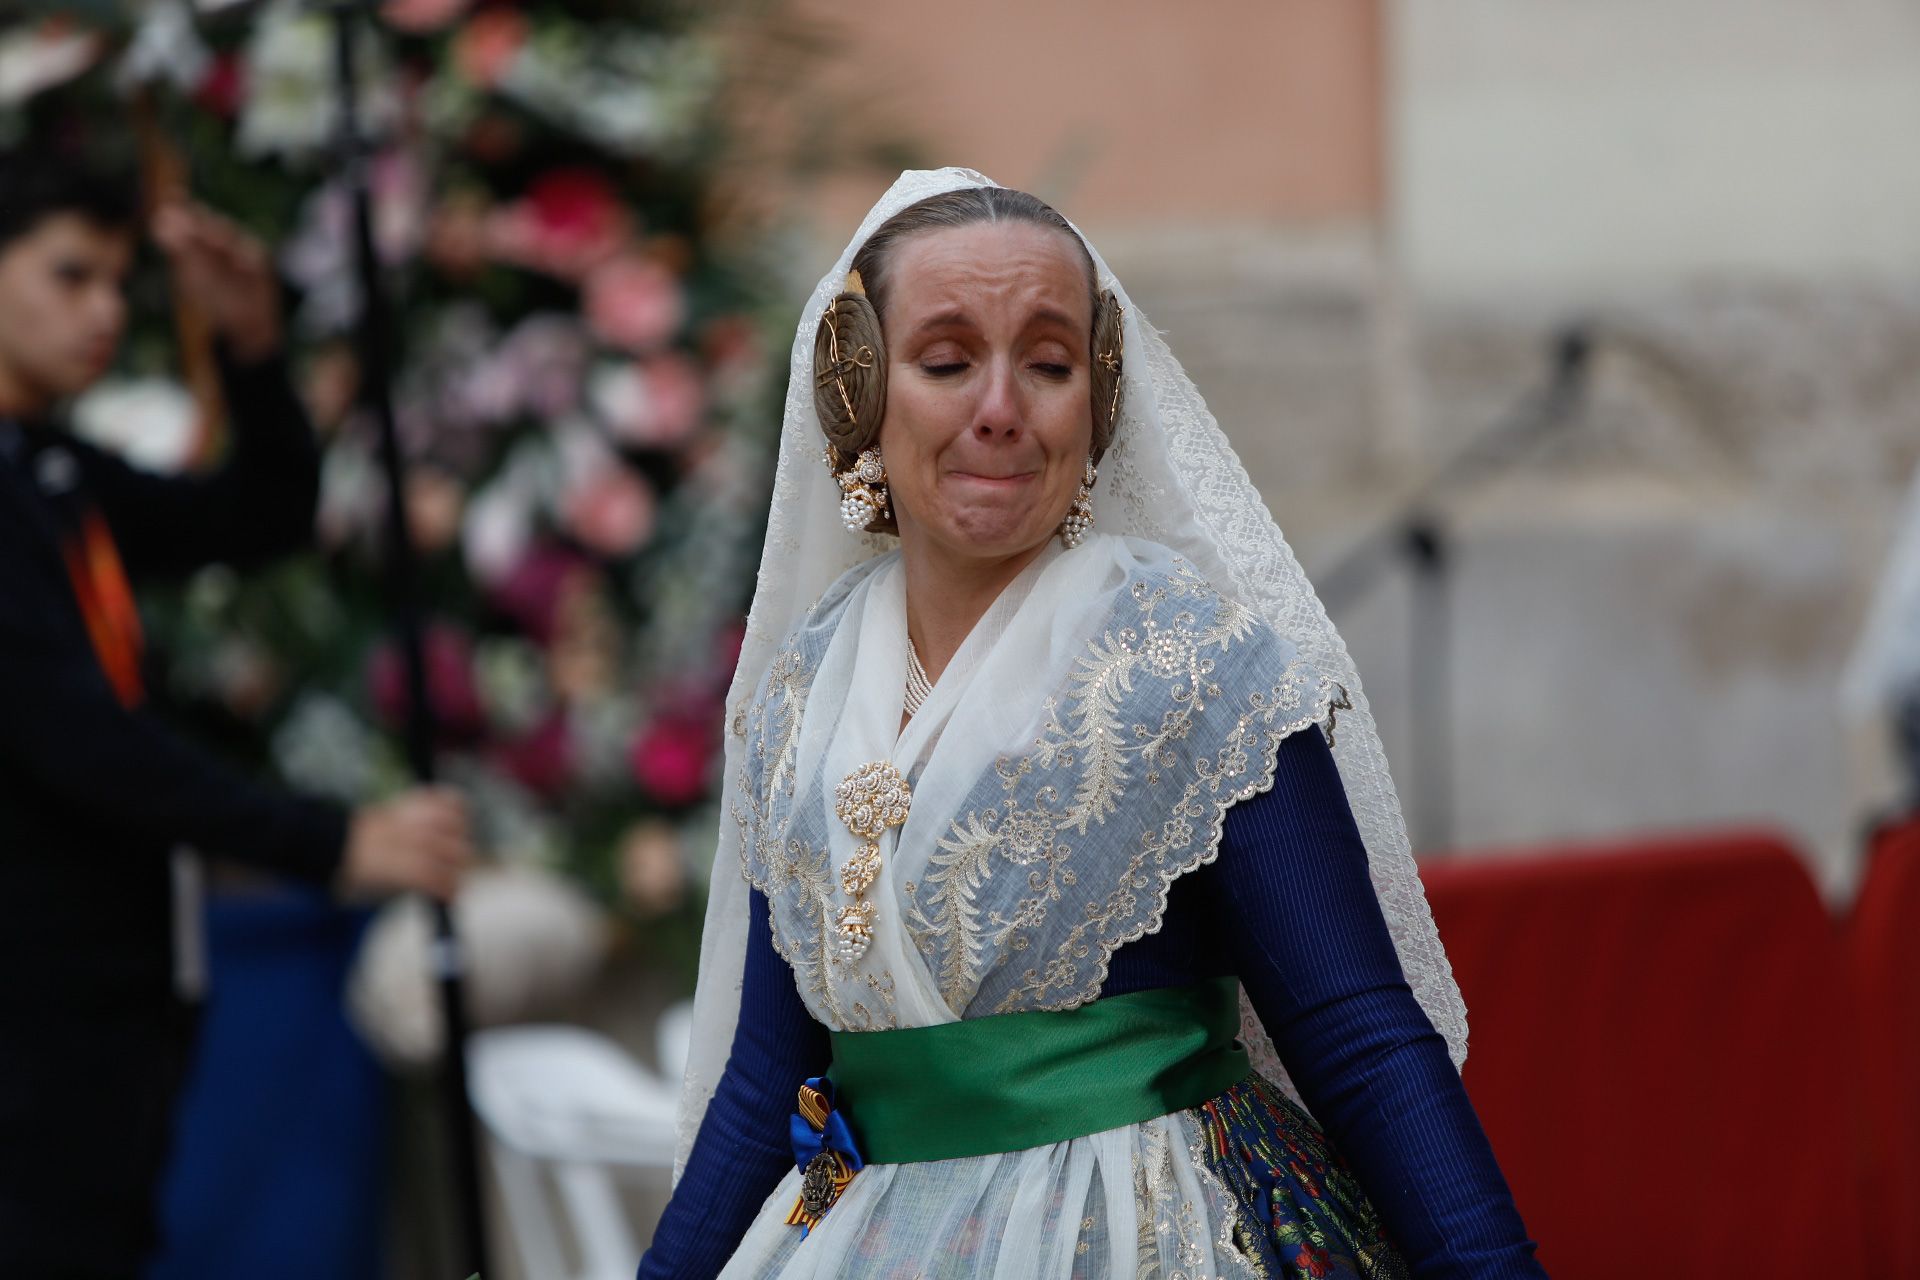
(1243, 1185)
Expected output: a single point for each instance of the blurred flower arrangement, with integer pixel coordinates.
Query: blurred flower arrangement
(583, 395)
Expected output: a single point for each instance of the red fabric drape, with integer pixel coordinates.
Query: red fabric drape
(1660, 1053)
(1883, 958)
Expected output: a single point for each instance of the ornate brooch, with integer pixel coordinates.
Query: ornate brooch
(869, 800)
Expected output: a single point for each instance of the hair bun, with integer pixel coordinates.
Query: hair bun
(849, 372)
(1109, 366)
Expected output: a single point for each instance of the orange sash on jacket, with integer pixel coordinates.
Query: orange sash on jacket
(106, 602)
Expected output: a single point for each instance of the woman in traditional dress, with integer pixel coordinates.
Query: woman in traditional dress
(1063, 922)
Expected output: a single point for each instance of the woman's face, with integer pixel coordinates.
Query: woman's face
(989, 414)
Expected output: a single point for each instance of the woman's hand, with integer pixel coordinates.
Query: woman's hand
(227, 272)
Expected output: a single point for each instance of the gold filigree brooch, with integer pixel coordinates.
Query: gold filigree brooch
(869, 800)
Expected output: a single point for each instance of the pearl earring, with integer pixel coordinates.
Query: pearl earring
(1073, 529)
(863, 491)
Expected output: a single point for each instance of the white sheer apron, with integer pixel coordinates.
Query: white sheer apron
(1077, 755)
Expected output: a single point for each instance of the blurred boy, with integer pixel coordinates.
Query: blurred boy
(95, 793)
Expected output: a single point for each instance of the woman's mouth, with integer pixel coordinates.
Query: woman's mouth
(995, 481)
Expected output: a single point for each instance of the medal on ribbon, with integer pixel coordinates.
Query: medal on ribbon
(823, 1151)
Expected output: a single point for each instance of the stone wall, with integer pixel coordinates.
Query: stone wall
(1652, 604)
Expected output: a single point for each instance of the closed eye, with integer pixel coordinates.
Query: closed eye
(946, 370)
(1055, 370)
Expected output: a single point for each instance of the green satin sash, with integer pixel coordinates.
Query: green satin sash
(1019, 1080)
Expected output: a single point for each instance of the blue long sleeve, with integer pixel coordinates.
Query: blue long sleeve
(1290, 902)
(741, 1152)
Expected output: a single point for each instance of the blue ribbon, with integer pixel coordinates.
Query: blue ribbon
(809, 1142)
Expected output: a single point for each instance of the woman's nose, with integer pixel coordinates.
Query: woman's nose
(998, 413)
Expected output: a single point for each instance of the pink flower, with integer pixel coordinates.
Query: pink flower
(670, 759)
(611, 511)
(654, 403)
(486, 47)
(418, 17)
(568, 221)
(634, 302)
(451, 691)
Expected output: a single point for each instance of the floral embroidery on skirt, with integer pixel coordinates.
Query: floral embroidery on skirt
(1304, 1214)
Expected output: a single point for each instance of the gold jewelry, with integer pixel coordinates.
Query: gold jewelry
(1079, 519)
(863, 488)
(869, 800)
(1110, 361)
(919, 683)
(1109, 364)
(839, 365)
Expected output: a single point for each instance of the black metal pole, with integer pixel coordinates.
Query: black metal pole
(376, 394)
(1536, 414)
(1430, 667)
(1418, 536)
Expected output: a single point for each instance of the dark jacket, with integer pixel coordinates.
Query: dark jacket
(95, 796)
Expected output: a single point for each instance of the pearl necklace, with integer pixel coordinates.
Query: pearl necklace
(919, 684)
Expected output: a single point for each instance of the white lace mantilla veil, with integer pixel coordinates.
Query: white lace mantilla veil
(1170, 477)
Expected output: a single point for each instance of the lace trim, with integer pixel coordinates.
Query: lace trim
(1210, 848)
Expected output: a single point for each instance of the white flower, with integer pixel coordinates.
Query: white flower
(322, 747)
(352, 493)
(40, 56)
(291, 105)
(499, 521)
(511, 674)
(164, 48)
(151, 422)
(629, 93)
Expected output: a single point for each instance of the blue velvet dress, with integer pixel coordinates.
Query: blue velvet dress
(1391, 1175)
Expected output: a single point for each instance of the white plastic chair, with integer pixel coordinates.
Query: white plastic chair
(566, 1105)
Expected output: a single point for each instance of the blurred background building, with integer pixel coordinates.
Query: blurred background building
(1361, 226)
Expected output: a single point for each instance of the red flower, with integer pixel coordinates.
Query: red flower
(569, 220)
(1306, 1179)
(670, 759)
(223, 87)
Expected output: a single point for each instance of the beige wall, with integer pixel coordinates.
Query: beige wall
(1131, 112)
(1556, 151)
